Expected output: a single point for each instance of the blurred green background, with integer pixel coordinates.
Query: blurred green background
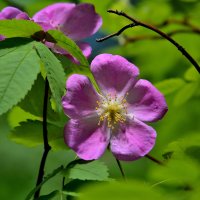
(158, 61)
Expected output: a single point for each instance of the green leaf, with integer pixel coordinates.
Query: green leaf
(54, 71)
(177, 172)
(186, 93)
(30, 134)
(19, 68)
(18, 28)
(69, 45)
(187, 146)
(48, 177)
(17, 115)
(191, 74)
(49, 196)
(170, 85)
(128, 190)
(73, 68)
(95, 170)
(33, 102)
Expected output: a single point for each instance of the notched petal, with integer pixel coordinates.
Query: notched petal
(132, 141)
(86, 138)
(145, 102)
(113, 73)
(81, 97)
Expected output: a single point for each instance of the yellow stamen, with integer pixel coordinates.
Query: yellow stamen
(112, 109)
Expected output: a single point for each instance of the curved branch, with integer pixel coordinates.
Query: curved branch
(154, 29)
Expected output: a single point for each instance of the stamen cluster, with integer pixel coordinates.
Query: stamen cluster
(113, 109)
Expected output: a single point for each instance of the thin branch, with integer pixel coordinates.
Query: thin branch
(120, 168)
(117, 33)
(154, 159)
(45, 139)
(154, 29)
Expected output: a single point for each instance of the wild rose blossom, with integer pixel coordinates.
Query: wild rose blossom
(12, 13)
(115, 116)
(75, 21)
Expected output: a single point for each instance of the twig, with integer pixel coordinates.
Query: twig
(154, 159)
(154, 29)
(120, 168)
(45, 139)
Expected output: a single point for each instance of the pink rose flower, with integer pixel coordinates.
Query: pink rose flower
(75, 21)
(116, 115)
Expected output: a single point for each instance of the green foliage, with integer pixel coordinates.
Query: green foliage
(19, 69)
(158, 61)
(29, 133)
(32, 104)
(170, 85)
(68, 44)
(49, 196)
(191, 74)
(18, 28)
(47, 178)
(120, 190)
(95, 170)
(54, 71)
(185, 93)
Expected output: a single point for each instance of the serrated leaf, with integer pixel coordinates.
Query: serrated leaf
(170, 85)
(191, 74)
(17, 115)
(11, 44)
(69, 45)
(95, 170)
(18, 28)
(186, 92)
(18, 70)
(73, 68)
(33, 103)
(29, 133)
(54, 71)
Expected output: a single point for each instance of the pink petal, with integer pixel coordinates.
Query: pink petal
(82, 22)
(86, 50)
(53, 16)
(113, 73)
(81, 97)
(12, 12)
(132, 141)
(86, 138)
(145, 102)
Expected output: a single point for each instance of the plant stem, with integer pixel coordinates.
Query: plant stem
(45, 139)
(154, 159)
(154, 29)
(120, 168)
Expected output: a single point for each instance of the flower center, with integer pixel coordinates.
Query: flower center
(113, 109)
